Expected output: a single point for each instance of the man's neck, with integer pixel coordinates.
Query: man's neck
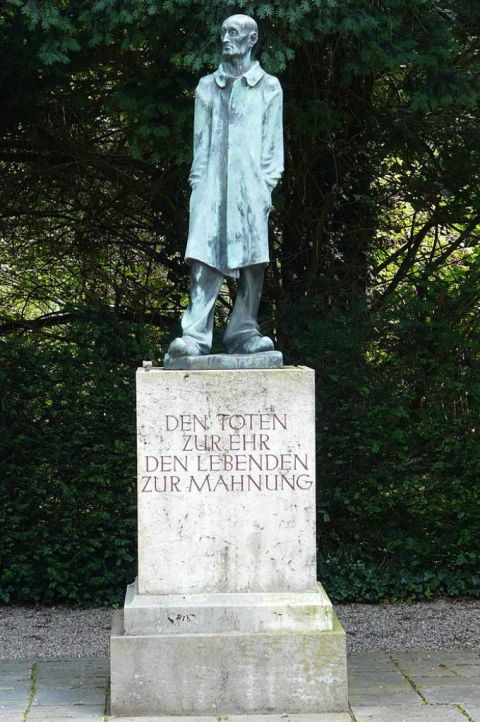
(237, 66)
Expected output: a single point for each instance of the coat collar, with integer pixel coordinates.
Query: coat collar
(252, 76)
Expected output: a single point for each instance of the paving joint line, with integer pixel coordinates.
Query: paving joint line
(33, 690)
(444, 666)
(463, 711)
(105, 705)
(410, 681)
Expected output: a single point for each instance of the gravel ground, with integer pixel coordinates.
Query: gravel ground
(48, 632)
(443, 624)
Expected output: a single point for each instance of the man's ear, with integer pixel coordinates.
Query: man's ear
(253, 38)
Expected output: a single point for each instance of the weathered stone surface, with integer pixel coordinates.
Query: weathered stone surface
(226, 481)
(380, 688)
(466, 670)
(408, 660)
(62, 696)
(424, 713)
(62, 713)
(445, 690)
(328, 717)
(18, 690)
(370, 662)
(55, 673)
(212, 362)
(69, 681)
(227, 617)
(12, 714)
(215, 613)
(223, 674)
(84, 666)
(473, 712)
(14, 672)
(81, 718)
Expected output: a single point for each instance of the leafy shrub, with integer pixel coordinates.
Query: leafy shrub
(67, 498)
(397, 440)
(398, 454)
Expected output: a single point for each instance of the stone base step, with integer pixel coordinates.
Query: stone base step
(228, 674)
(217, 613)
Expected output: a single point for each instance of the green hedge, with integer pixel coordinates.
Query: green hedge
(67, 498)
(397, 426)
(398, 405)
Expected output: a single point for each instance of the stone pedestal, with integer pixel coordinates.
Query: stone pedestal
(226, 616)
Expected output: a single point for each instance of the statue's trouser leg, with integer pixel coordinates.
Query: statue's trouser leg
(197, 321)
(243, 325)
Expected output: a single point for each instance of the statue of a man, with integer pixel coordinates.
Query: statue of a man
(237, 161)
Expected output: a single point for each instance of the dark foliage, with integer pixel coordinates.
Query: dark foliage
(68, 492)
(374, 281)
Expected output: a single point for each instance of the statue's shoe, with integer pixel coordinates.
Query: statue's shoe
(256, 344)
(183, 347)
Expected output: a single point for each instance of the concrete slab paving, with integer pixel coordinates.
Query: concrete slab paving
(380, 688)
(69, 671)
(17, 674)
(66, 712)
(12, 698)
(382, 698)
(424, 713)
(15, 689)
(383, 687)
(473, 712)
(449, 656)
(425, 670)
(72, 681)
(93, 665)
(370, 662)
(446, 682)
(449, 690)
(89, 718)
(12, 715)
(465, 670)
(62, 696)
(9, 665)
(323, 717)
(393, 678)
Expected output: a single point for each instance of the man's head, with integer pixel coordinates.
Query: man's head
(239, 35)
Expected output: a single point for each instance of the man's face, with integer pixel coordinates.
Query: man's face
(236, 38)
